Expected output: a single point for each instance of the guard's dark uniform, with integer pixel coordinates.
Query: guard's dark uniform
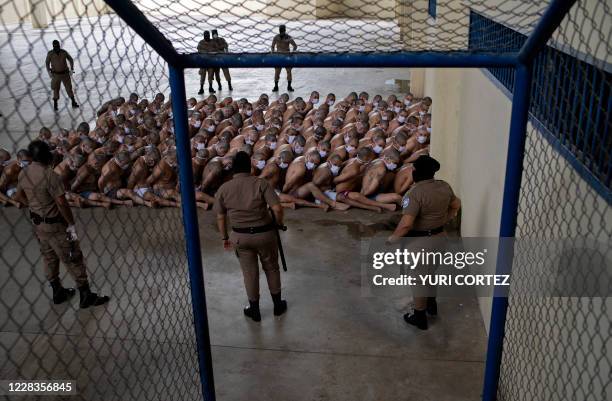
(245, 200)
(42, 186)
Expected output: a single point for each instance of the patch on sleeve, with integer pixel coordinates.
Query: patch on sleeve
(405, 202)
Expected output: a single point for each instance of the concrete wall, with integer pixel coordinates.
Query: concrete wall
(40, 13)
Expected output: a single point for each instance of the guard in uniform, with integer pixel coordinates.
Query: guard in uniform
(427, 207)
(221, 47)
(57, 66)
(281, 44)
(206, 46)
(245, 200)
(42, 190)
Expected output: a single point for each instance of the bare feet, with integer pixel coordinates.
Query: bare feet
(390, 206)
(107, 205)
(341, 206)
(128, 203)
(288, 205)
(325, 207)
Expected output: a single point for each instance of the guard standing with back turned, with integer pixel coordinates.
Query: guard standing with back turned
(57, 67)
(42, 190)
(245, 200)
(427, 207)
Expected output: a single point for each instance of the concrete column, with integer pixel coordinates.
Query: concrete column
(417, 81)
(38, 14)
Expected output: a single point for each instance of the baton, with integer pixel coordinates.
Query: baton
(278, 240)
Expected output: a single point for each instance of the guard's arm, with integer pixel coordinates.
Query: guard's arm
(453, 208)
(293, 44)
(403, 227)
(21, 197)
(64, 209)
(222, 225)
(278, 214)
(70, 61)
(48, 62)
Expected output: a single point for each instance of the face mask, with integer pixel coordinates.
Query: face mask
(377, 149)
(72, 167)
(322, 153)
(361, 108)
(421, 139)
(429, 129)
(384, 118)
(290, 138)
(210, 128)
(170, 115)
(130, 148)
(132, 112)
(248, 142)
(315, 100)
(390, 166)
(113, 114)
(283, 165)
(349, 148)
(126, 130)
(310, 165)
(335, 169)
(261, 164)
(24, 163)
(401, 148)
(407, 102)
(200, 146)
(347, 139)
(259, 127)
(140, 120)
(298, 150)
(401, 119)
(249, 113)
(421, 113)
(397, 109)
(272, 145)
(197, 123)
(120, 138)
(375, 104)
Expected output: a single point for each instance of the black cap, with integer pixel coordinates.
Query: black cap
(426, 166)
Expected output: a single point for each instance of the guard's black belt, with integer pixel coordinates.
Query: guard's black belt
(425, 233)
(37, 220)
(60, 72)
(253, 230)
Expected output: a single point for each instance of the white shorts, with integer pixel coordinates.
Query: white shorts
(11, 191)
(141, 191)
(277, 192)
(330, 194)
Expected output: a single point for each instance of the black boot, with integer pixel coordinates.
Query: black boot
(219, 86)
(61, 294)
(289, 88)
(201, 91)
(211, 89)
(432, 306)
(89, 298)
(280, 305)
(75, 105)
(275, 86)
(417, 318)
(252, 311)
(55, 104)
(229, 84)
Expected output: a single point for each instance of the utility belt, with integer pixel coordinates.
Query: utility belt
(253, 230)
(425, 233)
(38, 220)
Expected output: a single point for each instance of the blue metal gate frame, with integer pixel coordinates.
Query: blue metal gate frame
(521, 61)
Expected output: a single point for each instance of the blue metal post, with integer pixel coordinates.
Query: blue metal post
(192, 234)
(349, 60)
(512, 188)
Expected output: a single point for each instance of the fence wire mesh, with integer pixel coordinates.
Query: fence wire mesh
(140, 346)
(558, 348)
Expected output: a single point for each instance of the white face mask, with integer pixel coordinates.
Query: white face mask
(401, 119)
(210, 128)
(322, 153)
(421, 139)
(283, 165)
(397, 109)
(197, 123)
(315, 100)
(248, 142)
(120, 138)
(347, 139)
(132, 112)
(384, 118)
(170, 115)
(361, 108)
(259, 127)
(429, 129)
(200, 146)
(130, 148)
(261, 164)
(272, 145)
(330, 103)
(390, 166)
(407, 102)
(24, 163)
(298, 149)
(310, 165)
(140, 120)
(290, 138)
(401, 148)
(421, 113)
(349, 148)
(377, 149)
(334, 169)
(375, 104)
(248, 113)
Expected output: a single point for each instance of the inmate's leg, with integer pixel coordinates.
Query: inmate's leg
(228, 77)
(318, 194)
(94, 201)
(285, 198)
(356, 196)
(94, 196)
(157, 201)
(344, 199)
(289, 79)
(125, 194)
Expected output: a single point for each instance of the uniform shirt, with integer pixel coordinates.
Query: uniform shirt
(244, 199)
(41, 186)
(428, 201)
(59, 61)
(220, 45)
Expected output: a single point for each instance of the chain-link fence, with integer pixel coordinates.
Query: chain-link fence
(141, 344)
(558, 348)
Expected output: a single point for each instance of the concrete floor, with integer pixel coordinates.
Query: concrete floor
(333, 344)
